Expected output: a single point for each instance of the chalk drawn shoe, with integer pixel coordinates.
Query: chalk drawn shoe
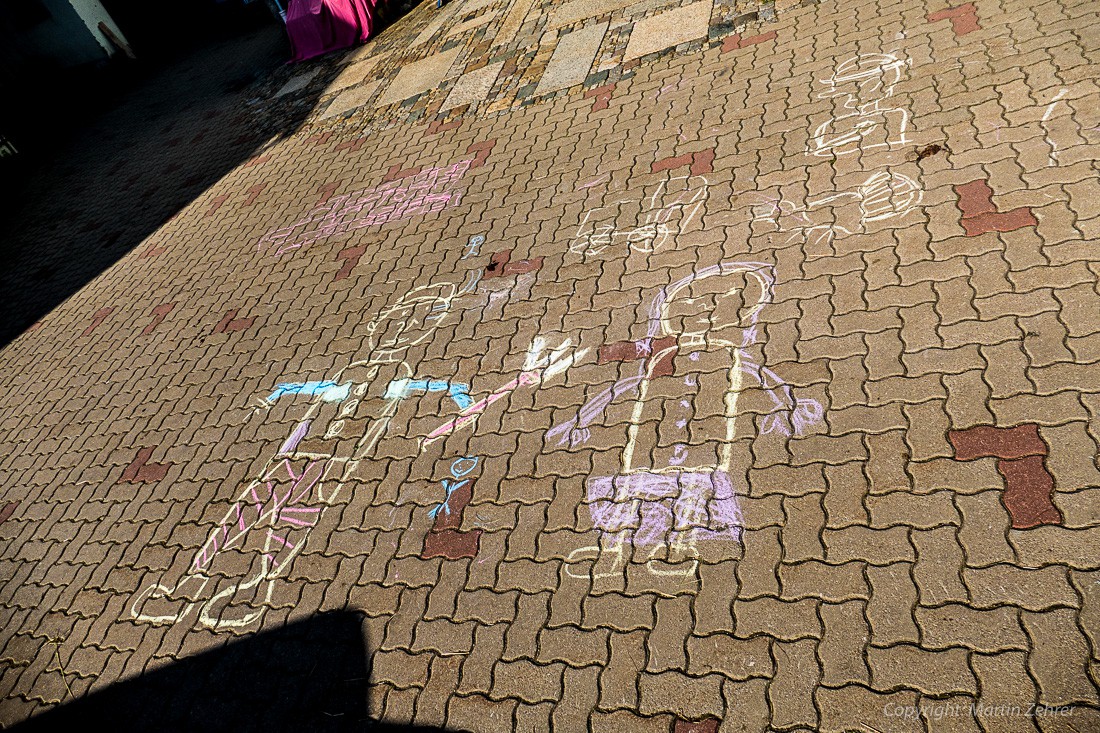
(682, 560)
(240, 606)
(671, 568)
(164, 605)
(605, 562)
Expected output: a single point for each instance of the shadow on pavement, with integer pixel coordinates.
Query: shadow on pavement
(106, 158)
(102, 168)
(310, 675)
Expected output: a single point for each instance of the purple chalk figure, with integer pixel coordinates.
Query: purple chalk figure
(674, 490)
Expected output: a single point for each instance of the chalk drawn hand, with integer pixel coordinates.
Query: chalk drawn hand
(536, 369)
(549, 366)
(592, 239)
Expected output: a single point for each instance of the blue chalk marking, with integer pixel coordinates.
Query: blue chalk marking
(472, 246)
(464, 465)
(451, 487)
(327, 391)
(475, 278)
(460, 394)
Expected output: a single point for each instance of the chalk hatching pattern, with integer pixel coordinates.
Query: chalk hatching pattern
(430, 190)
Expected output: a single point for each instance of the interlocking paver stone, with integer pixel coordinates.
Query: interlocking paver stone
(747, 387)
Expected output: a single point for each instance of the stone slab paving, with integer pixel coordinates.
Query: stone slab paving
(572, 59)
(420, 76)
(752, 385)
(473, 86)
(351, 98)
(668, 29)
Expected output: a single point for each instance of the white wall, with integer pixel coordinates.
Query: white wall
(93, 13)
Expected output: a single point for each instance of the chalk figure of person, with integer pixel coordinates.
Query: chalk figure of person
(230, 581)
(675, 489)
(862, 119)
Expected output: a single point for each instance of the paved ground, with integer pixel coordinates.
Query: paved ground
(660, 366)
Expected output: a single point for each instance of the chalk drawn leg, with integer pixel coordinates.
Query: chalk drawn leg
(605, 560)
(231, 579)
(617, 522)
(165, 605)
(706, 511)
(241, 604)
(666, 551)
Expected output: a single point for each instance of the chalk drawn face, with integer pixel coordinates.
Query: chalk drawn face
(410, 321)
(715, 308)
(886, 195)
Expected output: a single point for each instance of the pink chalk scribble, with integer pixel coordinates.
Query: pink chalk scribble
(430, 190)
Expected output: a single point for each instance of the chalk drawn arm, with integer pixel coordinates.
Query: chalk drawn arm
(536, 370)
(789, 414)
(328, 391)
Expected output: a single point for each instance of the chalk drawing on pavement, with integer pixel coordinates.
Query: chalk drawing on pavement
(821, 221)
(431, 190)
(862, 85)
(674, 490)
(669, 210)
(231, 580)
(538, 368)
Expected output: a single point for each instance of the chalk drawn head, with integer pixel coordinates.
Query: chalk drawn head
(409, 321)
(886, 195)
(719, 304)
(866, 75)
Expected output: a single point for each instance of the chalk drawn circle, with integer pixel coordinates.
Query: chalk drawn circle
(463, 466)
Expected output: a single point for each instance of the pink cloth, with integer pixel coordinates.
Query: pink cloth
(319, 26)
